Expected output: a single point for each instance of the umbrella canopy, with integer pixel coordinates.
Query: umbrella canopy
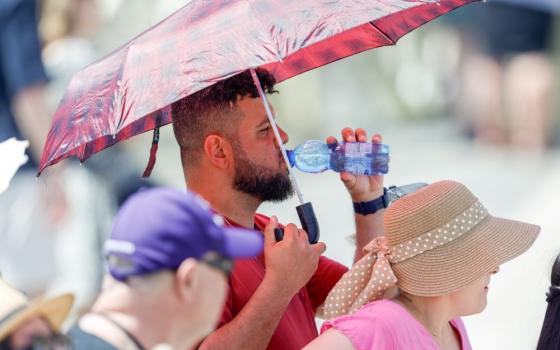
(129, 91)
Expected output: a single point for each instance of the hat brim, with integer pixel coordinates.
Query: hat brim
(242, 243)
(53, 310)
(455, 265)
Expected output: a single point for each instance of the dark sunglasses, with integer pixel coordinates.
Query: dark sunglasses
(55, 341)
(218, 262)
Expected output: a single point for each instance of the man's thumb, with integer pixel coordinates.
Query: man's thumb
(348, 179)
(269, 238)
(319, 248)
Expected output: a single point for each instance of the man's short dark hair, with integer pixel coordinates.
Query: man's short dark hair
(202, 113)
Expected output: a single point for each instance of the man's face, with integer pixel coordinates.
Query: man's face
(260, 169)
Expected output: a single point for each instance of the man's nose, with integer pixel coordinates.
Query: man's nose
(283, 135)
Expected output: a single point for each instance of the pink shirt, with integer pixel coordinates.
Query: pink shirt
(386, 325)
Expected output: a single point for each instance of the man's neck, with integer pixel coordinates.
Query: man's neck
(148, 327)
(127, 317)
(235, 205)
(239, 209)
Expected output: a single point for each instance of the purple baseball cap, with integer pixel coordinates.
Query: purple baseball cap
(157, 229)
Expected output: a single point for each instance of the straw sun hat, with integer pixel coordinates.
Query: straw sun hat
(437, 240)
(15, 309)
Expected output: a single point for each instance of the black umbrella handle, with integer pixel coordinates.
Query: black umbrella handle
(308, 222)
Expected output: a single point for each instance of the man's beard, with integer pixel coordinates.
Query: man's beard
(258, 180)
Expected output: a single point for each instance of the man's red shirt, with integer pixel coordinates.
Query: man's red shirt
(297, 327)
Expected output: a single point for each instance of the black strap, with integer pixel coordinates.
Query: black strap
(154, 148)
(553, 294)
(128, 334)
(370, 207)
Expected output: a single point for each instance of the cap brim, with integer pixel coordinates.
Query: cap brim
(242, 243)
(455, 265)
(54, 310)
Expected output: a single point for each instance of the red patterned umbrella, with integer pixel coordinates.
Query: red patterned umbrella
(129, 91)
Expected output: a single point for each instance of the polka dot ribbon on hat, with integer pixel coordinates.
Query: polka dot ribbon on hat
(372, 276)
(368, 280)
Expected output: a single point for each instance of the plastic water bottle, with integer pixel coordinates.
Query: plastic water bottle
(360, 158)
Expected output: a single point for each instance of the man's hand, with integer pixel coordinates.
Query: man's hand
(362, 188)
(291, 262)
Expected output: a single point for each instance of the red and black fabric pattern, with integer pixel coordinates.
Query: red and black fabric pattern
(129, 91)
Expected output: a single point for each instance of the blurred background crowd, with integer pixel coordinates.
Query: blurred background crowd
(472, 96)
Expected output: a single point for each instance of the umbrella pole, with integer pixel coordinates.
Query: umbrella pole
(305, 210)
(277, 134)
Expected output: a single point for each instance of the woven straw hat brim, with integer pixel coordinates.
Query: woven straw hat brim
(54, 310)
(454, 265)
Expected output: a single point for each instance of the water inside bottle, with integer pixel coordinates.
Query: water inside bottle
(363, 158)
(360, 158)
(312, 156)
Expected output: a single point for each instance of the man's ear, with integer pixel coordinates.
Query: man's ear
(185, 280)
(219, 151)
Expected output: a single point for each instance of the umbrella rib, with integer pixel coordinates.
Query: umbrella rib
(383, 33)
(271, 41)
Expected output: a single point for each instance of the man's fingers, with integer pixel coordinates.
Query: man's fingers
(358, 135)
(302, 235)
(319, 248)
(348, 179)
(269, 238)
(331, 140)
(290, 232)
(361, 135)
(348, 135)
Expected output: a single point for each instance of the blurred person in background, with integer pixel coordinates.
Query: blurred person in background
(12, 157)
(230, 157)
(169, 258)
(49, 227)
(507, 89)
(22, 76)
(70, 29)
(27, 325)
(550, 332)
(432, 266)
